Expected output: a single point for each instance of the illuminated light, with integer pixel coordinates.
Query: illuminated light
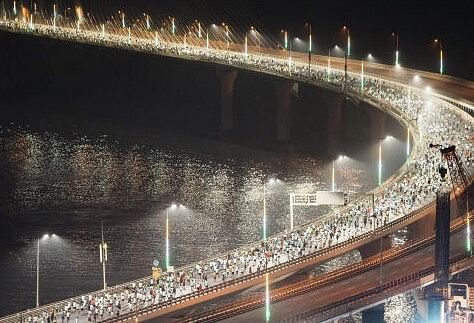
(123, 20)
(167, 243)
(156, 38)
(54, 17)
(310, 43)
(173, 26)
(207, 40)
(348, 45)
(441, 61)
(333, 176)
(14, 8)
(329, 65)
(267, 299)
(362, 78)
(286, 40)
(428, 89)
(103, 30)
(396, 57)
(264, 214)
(199, 30)
(129, 36)
(148, 22)
(416, 78)
(246, 48)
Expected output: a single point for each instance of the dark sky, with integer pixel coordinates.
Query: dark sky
(371, 23)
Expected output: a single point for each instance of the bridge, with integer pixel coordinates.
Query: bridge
(344, 291)
(440, 114)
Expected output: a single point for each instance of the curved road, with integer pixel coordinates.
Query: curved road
(274, 63)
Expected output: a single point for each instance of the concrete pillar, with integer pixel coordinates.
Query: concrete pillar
(334, 124)
(227, 79)
(374, 314)
(283, 106)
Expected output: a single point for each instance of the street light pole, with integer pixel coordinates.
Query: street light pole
(167, 242)
(440, 42)
(347, 54)
(333, 176)
(246, 46)
(103, 254)
(289, 59)
(329, 63)
(395, 34)
(264, 214)
(309, 50)
(37, 272)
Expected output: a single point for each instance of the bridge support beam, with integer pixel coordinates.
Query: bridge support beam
(283, 106)
(374, 314)
(227, 79)
(334, 124)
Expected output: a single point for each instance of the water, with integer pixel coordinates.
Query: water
(68, 184)
(121, 144)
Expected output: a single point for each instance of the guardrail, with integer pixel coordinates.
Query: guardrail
(308, 260)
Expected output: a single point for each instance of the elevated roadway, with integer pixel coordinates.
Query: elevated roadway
(344, 291)
(274, 63)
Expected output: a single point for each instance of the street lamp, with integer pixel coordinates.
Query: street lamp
(270, 182)
(309, 49)
(285, 38)
(172, 207)
(289, 53)
(440, 43)
(103, 251)
(246, 47)
(45, 236)
(347, 53)
(395, 34)
(380, 159)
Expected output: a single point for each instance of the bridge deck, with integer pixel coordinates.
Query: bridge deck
(273, 65)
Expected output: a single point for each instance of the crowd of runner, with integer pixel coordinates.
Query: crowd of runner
(436, 123)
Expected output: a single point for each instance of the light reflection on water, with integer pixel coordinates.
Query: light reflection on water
(67, 185)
